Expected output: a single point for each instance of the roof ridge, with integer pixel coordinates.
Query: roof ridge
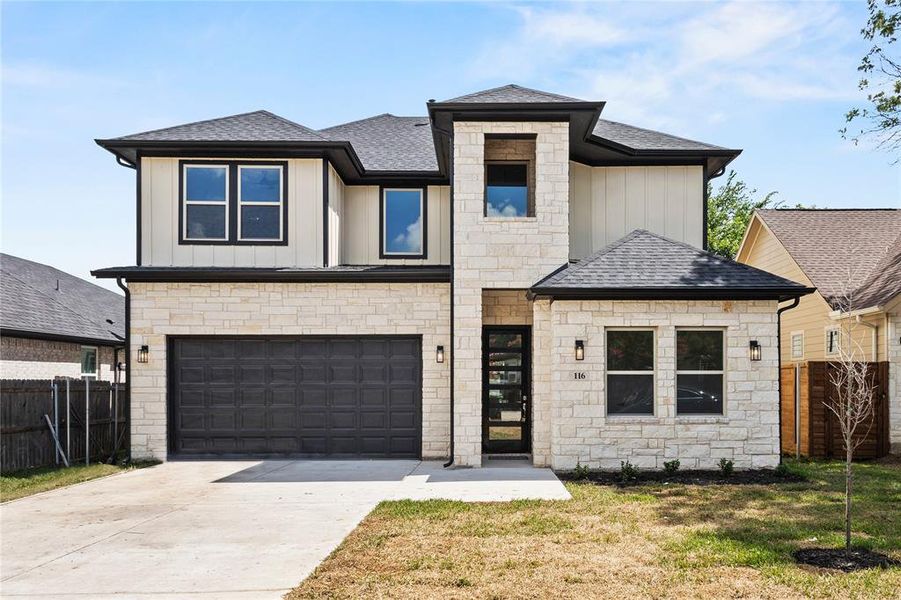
(827, 209)
(550, 95)
(654, 131)
(285, 120)
(372, 118)
(200, 122)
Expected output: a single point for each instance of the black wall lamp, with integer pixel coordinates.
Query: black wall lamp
(580, 350)
(754, 350)
(439, 354)
(143, 354)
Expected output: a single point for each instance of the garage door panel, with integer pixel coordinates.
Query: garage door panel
(315, 396)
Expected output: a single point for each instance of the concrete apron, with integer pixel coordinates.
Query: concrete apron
(219, 529)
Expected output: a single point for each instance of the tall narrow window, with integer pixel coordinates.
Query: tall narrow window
(403, 223)
(699, 372)
(260, 198)
(833, 338)
(797, 340)
(507, 189)
(630, 372)
(206, 202)
(88, 361)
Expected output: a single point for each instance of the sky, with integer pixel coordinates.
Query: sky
(774, 79)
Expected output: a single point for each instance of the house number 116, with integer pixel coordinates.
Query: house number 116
(580, 375)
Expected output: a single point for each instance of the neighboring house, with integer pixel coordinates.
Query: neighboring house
(510, 260)
(846, 254)
(53, 324)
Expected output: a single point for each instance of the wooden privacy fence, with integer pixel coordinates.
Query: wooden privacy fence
(810, 429)
(26, 438)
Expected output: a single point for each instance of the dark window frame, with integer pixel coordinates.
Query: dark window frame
(689, 372)
(529, 192)
(87, 348)
(424, 191)
(651, 373)
(232, 208)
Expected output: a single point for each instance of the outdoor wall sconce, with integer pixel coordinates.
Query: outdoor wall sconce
(754, 350)
(143, 354)
(580, 350)
(439, 354)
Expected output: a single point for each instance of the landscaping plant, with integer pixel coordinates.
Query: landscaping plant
(628, 471)
(726, 467)
(671, 466)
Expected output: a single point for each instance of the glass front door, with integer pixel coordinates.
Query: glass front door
(506, 415)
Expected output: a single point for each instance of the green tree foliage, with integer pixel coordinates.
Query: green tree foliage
(880, 80)
(729, 210)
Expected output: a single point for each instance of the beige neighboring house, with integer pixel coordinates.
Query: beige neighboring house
(837, 251)
(53, 324)
(508, 274)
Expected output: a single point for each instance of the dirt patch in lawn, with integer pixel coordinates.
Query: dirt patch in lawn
(841, 560)
(687, 477)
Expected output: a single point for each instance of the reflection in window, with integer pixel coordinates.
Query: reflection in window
(506, 190)
(88, 361)
(699, 372)
(402, 222)
(630, 372)
(260, 202)
(206, 193)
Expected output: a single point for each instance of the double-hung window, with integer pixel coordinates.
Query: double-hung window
(89, 361)
(700, 356)
(232, 203)
(403, 223)
(797, 343)
(630, 371)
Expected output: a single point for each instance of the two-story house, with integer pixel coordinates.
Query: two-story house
(509, 274)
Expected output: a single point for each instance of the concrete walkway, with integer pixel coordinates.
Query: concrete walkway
(228, 529)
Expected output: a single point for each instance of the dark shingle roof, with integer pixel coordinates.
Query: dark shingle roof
(511, 94)
(646, 264)
(257, 126)
(645, 139)
(39, 299)
(843, 249)
(389, 143)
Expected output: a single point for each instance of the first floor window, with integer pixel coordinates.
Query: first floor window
(88, 361)
(833, 337)
(206, 202)
(403, 221)
(798, 345)
(699, 371)
(630, 372)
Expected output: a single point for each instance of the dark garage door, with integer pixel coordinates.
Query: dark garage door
(307, 396)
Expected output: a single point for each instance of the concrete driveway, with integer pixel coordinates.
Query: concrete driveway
(227, 529)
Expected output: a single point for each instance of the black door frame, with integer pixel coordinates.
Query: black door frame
(526, 387)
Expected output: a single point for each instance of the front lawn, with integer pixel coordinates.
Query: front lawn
(19, 484)
(654, 540)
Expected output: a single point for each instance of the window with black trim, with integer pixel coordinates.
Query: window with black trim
(700, 359)
(507, 189)
(89, 361)
(233, 203)
(630, 371)
(403, 223)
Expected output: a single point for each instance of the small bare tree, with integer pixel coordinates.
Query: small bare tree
(852, 398)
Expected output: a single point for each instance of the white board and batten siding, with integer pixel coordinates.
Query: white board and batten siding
(606, 203)
(335, 217)
(360, 227)
(159, 222)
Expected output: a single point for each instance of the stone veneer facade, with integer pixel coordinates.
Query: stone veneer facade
(894, 377)
(580, 431)
(163, 309)
(498, 252)
(27, 358)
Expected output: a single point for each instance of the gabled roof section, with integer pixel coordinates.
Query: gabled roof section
(389, 143)
(257, 126)
(636, 138)
(843, 250)
(644, 265)
(43, 301)
(511, 94)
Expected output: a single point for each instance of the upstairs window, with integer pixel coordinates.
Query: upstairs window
(797, 340)
(699, 372)
(507, 189)
(403, 223)
(630, 372)
(231, 203)
(833, 338)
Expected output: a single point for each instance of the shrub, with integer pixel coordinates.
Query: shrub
(581, 471)
(782, 470)
(671, 466)
(628, 471)
(726, 467)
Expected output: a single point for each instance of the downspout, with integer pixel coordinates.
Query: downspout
(779, 312)
(125, 289)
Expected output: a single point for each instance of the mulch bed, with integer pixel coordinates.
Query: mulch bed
(687, 477)
(840, 560)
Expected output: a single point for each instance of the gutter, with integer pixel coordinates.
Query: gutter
(125, 289)
(779, 312)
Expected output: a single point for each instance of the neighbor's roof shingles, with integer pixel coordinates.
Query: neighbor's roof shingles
(843, 250)
(40, 299)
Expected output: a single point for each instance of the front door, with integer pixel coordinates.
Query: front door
(506, 384)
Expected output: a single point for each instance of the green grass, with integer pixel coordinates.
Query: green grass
(653, 540)
(19, 484)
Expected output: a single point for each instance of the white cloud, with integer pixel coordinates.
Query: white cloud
(507, 211)
(411, 239)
